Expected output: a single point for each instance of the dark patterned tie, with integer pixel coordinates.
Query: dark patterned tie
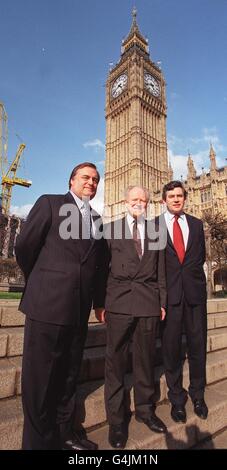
(137, 239)
(178, 240)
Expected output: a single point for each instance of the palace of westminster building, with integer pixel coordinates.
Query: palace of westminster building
(136, 144)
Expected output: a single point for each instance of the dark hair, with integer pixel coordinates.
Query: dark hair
(83, 165)
(170, 186)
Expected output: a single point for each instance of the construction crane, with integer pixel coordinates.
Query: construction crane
(9, 178)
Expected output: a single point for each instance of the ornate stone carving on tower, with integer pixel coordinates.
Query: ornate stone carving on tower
(207, 192)
(136, 148)
(213, 165)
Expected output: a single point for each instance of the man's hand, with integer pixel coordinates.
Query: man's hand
(162, 314)
(100, 314)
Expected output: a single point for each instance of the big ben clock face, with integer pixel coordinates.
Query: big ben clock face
(151, 84)
(119, 85)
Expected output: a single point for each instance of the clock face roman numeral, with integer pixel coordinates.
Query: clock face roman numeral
(119, 85)
(151, 84)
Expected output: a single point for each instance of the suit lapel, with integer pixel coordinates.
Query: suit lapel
(145, 252)
(96, 220)
(169, 240)
(69, 199)
(84, 246)
(129, 244)
(190, 238)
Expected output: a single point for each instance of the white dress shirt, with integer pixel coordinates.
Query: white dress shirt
(140, 226)
(182, 220)
(80, 203)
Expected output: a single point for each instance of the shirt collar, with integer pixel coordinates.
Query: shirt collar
(130, 220)
(170, 216)
(80, 203)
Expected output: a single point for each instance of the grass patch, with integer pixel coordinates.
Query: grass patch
(10, 295)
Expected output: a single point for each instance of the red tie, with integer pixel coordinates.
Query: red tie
(178, 240)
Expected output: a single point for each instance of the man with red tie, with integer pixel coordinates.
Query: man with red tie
(186, 290)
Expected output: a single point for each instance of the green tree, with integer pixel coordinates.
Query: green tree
(215, 226)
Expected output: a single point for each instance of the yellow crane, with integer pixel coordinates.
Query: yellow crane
(9, 178)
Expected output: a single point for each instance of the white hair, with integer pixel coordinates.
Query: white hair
(145, 190)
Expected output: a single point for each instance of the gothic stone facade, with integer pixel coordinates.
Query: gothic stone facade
(206, 192)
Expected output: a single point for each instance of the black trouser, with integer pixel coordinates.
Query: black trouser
(194, 319)
(51, 363)
(120, 330)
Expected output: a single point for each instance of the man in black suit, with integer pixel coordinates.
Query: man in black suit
(186, 292)
(135, 301)
(59, 251)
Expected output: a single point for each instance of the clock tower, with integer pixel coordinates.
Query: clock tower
(136, 148)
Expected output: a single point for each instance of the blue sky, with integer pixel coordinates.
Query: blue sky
(55, 57)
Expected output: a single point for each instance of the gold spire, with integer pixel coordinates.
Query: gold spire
(135, 37)
(134, 26)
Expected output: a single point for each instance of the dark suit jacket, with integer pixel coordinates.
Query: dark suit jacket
(188, 277)
(134, 287)
(63, 277)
